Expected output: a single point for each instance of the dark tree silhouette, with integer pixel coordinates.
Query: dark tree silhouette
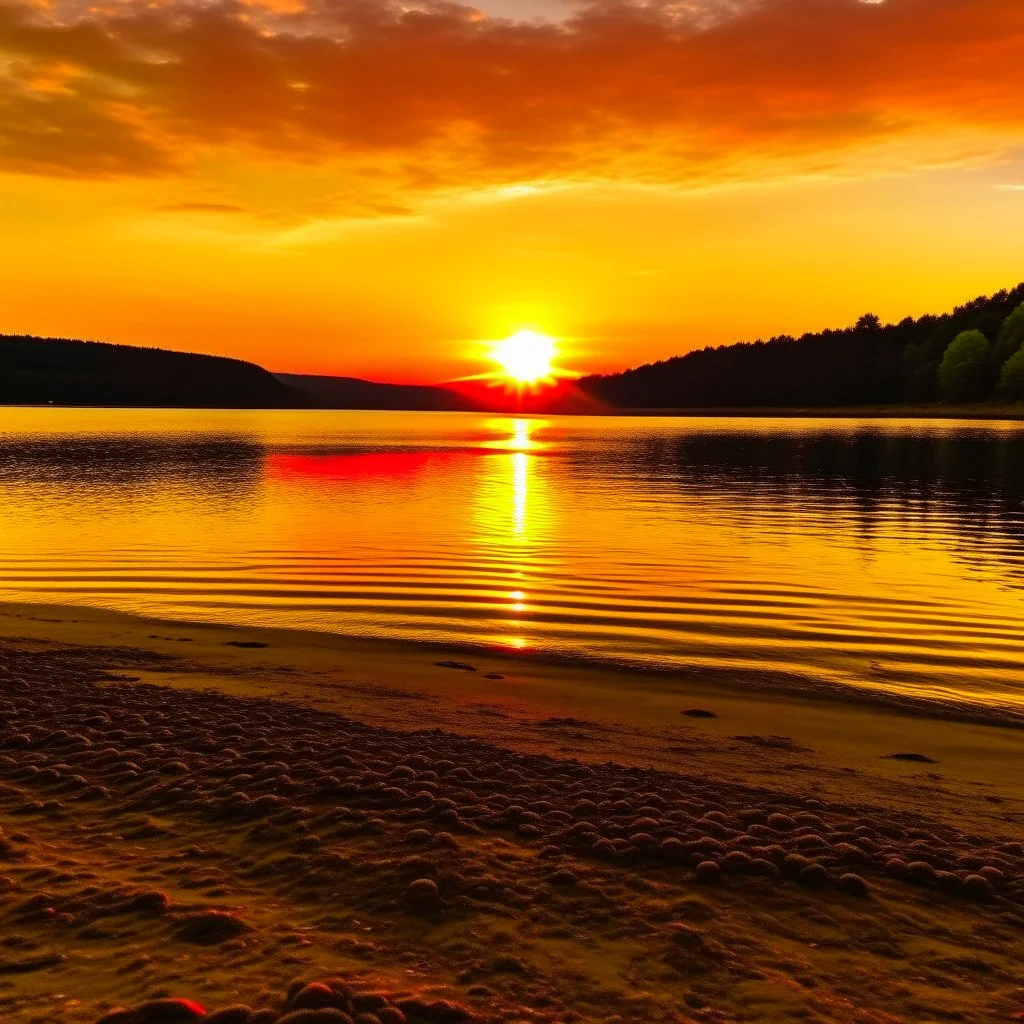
(37, 371)
(867, 364)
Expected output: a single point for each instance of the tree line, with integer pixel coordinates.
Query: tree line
(64, 371)
(974, 353)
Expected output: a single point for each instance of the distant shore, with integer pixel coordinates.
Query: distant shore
(895, 412)
(985, 412)
(213, 812)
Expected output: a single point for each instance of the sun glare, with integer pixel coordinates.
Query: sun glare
(525, 356)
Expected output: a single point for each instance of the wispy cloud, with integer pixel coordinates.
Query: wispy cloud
(409, 101)
(200, 208)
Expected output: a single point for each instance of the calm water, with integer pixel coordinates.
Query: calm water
(882, 553)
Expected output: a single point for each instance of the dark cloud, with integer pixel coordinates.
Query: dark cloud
(440, 96)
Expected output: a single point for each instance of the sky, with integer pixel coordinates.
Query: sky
(377, 189)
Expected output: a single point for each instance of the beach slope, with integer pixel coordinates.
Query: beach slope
(216, 815)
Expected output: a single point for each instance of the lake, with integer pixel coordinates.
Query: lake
(880, 553)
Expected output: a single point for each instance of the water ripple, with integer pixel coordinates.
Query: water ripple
(884, 554)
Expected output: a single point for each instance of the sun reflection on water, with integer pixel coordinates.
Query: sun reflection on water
(520, 490)
(510, 517)
(515, 434)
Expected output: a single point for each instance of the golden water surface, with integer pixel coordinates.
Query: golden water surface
(881, 553)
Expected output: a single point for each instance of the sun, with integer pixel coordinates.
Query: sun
(525, 363)
(526, 356)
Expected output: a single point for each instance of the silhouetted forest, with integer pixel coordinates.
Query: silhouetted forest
(37, 371)
(972, 354)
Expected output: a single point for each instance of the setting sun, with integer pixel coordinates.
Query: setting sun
(526, 356)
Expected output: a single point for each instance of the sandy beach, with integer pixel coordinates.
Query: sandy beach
(200, 813)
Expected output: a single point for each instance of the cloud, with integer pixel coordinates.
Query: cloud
(403, 102)
(200, 208)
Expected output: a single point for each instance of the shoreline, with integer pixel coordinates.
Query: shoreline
(769, 683)
(316, 667)
(981, 413)
(187, 813)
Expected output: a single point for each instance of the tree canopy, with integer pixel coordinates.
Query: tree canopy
(868, 363)
(1010, 337)
(1011, 379)
(964, 370)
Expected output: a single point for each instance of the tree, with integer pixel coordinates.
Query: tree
(1011, 337)
(989, 322)
(964, 370)
(867, 363)
(919, 373)
(1011, 380)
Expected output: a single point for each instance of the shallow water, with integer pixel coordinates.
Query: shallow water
(884, 553)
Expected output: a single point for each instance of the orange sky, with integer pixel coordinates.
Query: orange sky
(371, 188)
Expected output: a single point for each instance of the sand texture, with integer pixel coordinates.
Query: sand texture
(192, 822)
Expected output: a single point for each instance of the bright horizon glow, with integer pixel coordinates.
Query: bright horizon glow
(526, 356)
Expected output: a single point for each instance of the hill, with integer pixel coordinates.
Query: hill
(353, 393)
(37, 371)
(970, 355)
(867, 364)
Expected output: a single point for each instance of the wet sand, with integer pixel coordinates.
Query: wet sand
(215, 814)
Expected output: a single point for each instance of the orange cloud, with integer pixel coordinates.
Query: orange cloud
(412, 101)
(200, 208)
